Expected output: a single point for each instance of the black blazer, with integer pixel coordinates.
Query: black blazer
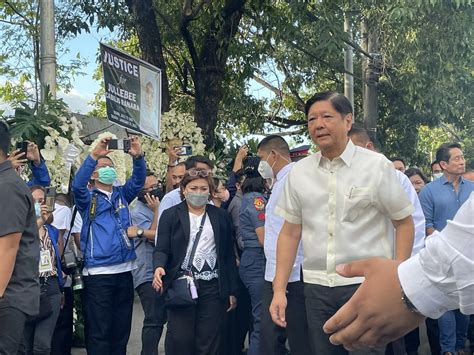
(173, 239)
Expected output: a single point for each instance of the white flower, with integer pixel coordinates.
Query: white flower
(48, 154)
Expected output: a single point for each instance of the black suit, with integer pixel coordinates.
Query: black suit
(208, 314)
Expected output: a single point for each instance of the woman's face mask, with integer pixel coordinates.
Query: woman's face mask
(197, 199)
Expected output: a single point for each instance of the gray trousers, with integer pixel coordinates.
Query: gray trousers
(321, 304)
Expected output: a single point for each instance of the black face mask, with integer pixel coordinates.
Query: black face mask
(155, 192)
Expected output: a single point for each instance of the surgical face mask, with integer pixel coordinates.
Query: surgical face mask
(265, 170)
(107, 175)
(196, 199)
(437, 175)
(38, 209)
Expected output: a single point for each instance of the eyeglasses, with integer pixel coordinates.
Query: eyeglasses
(200, 173)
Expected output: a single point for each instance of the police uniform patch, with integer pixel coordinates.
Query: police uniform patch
(261, 216)
(259, 203)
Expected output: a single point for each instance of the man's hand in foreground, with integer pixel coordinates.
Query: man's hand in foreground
(376, 314)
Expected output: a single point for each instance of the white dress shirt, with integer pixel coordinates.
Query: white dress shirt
(418, 216)
(273, 224)
(441, 277)
(345, 207)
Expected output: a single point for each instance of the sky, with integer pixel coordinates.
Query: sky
(84, 86)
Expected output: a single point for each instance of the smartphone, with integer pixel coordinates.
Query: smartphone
(119, 144)
(185, 150)
(22, 147)
(50, 198)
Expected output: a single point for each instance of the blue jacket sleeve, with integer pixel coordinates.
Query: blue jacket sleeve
(81, 193)
(232, 190)
(133, 185)
(40, 175)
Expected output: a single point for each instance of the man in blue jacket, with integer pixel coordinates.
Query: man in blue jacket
(109, 255)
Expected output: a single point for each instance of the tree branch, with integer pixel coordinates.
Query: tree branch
(291, 133)
(19, 14)
(283, 122)
(188, 10)
(188, 38)
(300, 104)
(350, 43)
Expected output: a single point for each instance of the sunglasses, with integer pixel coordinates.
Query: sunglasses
(200, 173)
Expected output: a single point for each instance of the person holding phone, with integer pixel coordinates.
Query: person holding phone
(109, 254)
(38, 332)
(39, 170)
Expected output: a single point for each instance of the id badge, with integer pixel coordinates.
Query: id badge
(45, 264)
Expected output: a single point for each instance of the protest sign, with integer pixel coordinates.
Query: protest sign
(132, 91)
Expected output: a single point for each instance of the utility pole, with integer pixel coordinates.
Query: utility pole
(371, 68)
(348, 60)
(47, 49)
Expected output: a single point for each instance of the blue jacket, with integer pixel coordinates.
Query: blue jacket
(40, 175)
(54, 235)
(103, 244)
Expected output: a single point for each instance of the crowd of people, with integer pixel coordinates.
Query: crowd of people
(265, 254)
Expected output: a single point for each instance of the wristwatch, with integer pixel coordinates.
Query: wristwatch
(140, 232)
(410, 306)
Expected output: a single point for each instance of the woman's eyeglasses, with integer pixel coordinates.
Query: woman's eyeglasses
(200, 173)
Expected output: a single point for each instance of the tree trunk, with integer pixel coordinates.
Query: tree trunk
(149, 37)
(209, 68)
(208, 88)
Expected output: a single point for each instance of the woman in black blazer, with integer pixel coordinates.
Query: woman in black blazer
(195, 329)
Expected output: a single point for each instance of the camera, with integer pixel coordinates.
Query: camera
(185, 150)
(72, 265)
(119, 144)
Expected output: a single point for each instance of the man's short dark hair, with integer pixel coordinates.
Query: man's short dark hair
(398, 159)
(274, 142)
(253, 184)
(149, 173)
(433, 164)
(369, 136)
(195, 159)
(338, 101)
(443, 152)
(4, 138)
(357, 130)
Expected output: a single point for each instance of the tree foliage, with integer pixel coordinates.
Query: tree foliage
(215, 54)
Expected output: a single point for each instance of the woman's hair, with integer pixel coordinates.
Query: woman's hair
(37, 187)
(188, 178)
(415, 171)
(254, 184)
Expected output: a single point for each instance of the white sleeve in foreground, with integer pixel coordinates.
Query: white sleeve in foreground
(425, 296)
(441, 276)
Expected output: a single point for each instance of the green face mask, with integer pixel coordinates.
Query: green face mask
(107, 175)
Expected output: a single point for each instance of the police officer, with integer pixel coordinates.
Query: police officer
(252, 262)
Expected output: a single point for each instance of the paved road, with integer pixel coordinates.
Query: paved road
(134, 344)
